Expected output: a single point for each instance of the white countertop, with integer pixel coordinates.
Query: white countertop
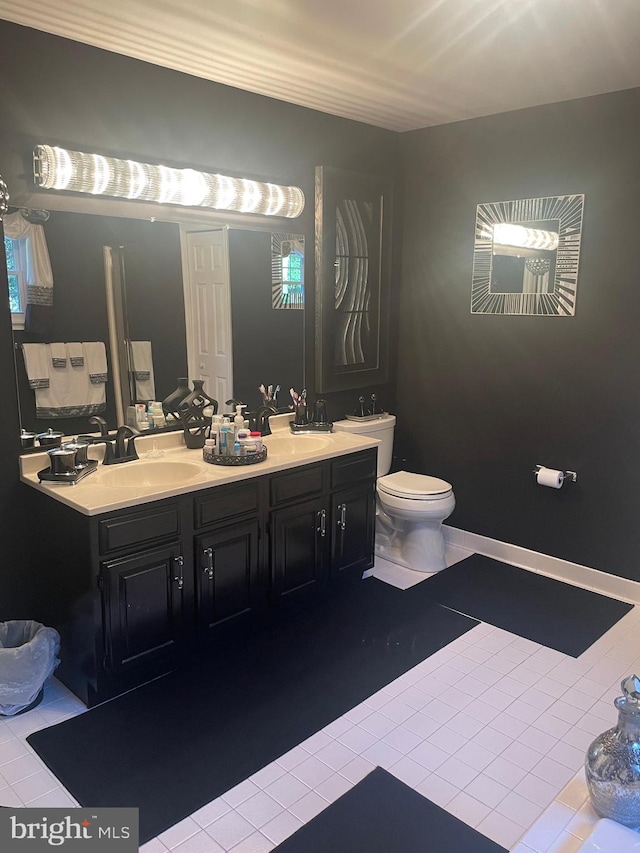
(92, 495)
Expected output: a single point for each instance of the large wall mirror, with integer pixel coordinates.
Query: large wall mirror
(526, 256)
(202, 296)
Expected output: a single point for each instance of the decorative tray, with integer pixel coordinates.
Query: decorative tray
(47, 475)
(260, 456)
(307, 429)
(375, 417)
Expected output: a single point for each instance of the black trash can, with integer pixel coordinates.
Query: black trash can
(28, 656)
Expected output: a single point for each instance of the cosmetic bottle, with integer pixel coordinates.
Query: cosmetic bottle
(226, 437)
(214, 431)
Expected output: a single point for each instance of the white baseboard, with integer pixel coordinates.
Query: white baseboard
(615, 587)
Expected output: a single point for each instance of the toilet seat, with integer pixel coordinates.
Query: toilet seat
(403, 484)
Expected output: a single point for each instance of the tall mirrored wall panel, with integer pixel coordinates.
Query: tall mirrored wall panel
(353, 232)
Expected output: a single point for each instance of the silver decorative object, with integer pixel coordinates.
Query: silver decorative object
(612, 764)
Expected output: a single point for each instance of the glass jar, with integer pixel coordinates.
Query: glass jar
(612, 764)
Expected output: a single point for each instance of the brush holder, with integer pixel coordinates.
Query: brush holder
(196, 430)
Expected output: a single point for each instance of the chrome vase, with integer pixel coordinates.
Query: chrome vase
(612, 765)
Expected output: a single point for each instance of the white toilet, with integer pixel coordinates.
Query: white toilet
(410, 507)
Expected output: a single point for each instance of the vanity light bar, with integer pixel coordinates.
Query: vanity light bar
(508, 234)
(60, 169)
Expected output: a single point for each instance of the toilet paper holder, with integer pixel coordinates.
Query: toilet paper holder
(568, 475)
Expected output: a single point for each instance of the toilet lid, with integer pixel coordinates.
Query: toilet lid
(402, 484)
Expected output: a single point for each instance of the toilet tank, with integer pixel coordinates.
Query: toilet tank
(381, 428)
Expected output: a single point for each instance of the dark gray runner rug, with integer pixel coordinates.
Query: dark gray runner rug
(177, 743)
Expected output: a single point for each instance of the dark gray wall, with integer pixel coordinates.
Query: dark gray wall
(59, 91)
(481, 399)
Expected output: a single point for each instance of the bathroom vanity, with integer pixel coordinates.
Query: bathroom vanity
(141, 573)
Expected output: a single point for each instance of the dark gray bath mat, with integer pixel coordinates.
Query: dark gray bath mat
(547, 611)
(383, 815)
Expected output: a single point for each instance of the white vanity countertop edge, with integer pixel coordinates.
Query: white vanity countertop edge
(90, 497)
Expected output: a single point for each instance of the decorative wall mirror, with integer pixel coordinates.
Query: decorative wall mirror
(526, 256)
(353, 237)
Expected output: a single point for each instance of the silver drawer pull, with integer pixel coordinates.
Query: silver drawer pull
(342, 521)
(208, 569)
(179, 578)
(322, 530)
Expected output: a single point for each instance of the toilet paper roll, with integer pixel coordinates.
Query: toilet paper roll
(550, 477)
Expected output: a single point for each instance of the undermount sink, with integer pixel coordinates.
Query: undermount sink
(295, 445)
(142, 474)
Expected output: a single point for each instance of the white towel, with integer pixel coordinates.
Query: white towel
(75, 354)
(142, 369)
(58, 355)
(37, 363)
(95, 360)
(65, 392)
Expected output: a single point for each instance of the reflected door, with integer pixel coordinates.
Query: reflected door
(208, 311)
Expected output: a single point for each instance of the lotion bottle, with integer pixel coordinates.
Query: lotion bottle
(238, 421)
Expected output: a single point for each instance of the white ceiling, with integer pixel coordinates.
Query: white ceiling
(399, 64)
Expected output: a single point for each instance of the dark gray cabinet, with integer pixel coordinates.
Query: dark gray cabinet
(144, 608)
(137, 592)
(227, 578)
(320, 532)
(352, 531)
(297, 551)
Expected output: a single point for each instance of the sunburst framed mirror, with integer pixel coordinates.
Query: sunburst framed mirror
(526, 256)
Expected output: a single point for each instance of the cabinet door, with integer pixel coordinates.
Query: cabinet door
(227, 577)
(298, 536)
(352, 531)
(144, 596)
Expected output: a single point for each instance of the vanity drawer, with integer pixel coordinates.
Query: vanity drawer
(298, 483)
(352, 469)
(226, 502)
(137, 528)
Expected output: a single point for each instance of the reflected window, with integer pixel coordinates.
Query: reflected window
(287, 270)
(15, 255)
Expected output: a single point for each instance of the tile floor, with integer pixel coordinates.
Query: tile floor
(493, 728)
